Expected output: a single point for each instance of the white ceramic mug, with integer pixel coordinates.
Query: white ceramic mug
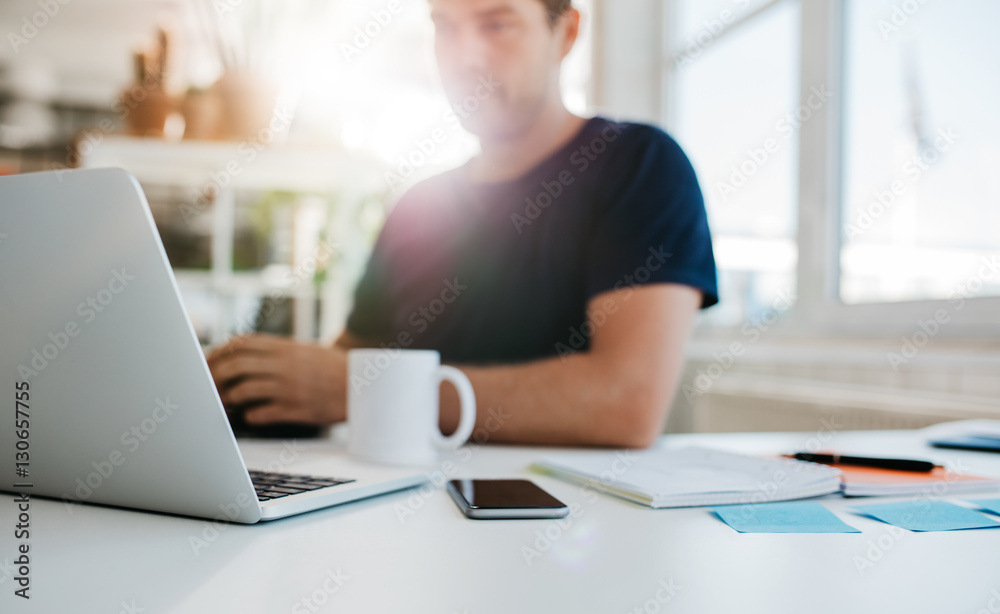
(393, 406)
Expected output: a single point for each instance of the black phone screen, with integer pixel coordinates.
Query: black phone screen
(504, 494)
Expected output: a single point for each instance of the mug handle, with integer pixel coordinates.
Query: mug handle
(467, 398)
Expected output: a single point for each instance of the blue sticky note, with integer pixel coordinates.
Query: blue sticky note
(923, 515)
(987, 505)
(785, 517)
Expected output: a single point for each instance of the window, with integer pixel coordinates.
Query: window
(734, 113)
(921, 196)
(880, 208)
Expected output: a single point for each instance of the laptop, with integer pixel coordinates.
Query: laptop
(105, 393)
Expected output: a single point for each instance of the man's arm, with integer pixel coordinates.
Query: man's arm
(616, 394)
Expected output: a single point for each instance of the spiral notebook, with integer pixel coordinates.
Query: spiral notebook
(694, 476)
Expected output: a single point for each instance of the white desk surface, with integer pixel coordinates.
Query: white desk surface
(613, 558)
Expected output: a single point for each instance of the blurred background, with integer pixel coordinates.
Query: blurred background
(847, 151)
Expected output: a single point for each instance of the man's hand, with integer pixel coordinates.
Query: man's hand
(287, 381)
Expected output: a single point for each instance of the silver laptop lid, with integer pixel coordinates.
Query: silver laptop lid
(120, 406)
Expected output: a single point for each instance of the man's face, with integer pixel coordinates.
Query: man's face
(499, 61)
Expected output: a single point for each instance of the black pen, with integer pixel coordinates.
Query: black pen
(901, 464)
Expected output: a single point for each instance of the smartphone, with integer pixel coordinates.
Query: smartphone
(488, 499)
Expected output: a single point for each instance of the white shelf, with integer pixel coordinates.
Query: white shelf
(196, 163)
(242, 282)
(229, 166)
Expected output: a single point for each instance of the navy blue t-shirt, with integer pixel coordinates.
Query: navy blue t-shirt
(503, 272)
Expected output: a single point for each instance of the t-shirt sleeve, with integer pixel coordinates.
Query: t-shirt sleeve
(651, 225)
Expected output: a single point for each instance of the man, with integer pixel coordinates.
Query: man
(561, 269)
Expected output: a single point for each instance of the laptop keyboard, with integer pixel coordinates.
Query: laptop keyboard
(276, 485)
